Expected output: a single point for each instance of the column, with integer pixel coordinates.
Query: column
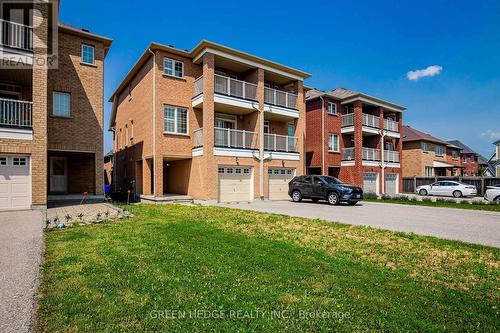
(358, 141)
(209, 182)
(260, 130)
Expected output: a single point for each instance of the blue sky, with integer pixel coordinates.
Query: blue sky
(367, 46)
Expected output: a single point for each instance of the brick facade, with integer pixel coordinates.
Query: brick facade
(175, 169)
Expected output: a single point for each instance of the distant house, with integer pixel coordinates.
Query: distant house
(489, 170)
(495, 160)
(108, 167)
(469, 159)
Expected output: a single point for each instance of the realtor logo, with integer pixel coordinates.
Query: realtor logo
(28, 34)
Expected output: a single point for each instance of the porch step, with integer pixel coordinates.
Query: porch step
(167, 198)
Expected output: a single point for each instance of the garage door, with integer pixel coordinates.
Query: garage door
(370, 183)
(235, 184)
(278, 183)
(15, 182)
(391, 183)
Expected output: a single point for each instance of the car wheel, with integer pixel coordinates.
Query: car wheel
(333, 199)
(497, 200)
(315, 200)
(422, 192)
(296, 196)
(457, 194)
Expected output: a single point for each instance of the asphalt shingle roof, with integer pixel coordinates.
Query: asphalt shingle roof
(411, 134)
(465, 149)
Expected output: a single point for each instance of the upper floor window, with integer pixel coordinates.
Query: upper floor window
(333, 142)
(425, 146)
(455, 154)
(62, 103)
(88, 54)
(439, 150)
(175, 120)
(173, 67)
(332, 108)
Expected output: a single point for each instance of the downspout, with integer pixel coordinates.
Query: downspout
(154, 121)
(382, 135)
(322, 134)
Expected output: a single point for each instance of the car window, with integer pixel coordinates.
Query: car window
(318, 181)
(331, 180)
(436, 184)
(307, 180)
(497, 185)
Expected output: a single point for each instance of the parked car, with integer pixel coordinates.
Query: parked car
(492, 194)
(323, 188)
(448, 188)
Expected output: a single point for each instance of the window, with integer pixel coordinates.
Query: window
(439, 150)
(131, 129)
(289, 171)
(283, 171)
(455, 154)
(389, 146)
(291, 130)
(62, 103)
(332, 108)
(276, 171)
(229, 170)
(425, 146)
(247, 171)
(3, 160)
(464, 159)
(266, 127)
(269, 172)
(126, 134)
(333, 142)
(237, 170)
(175, 120)
(88, 54)
(428, 171)
(173, 67)
(19, 161)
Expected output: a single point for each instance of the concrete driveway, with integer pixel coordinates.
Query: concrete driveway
(472, 226)
(21, 246)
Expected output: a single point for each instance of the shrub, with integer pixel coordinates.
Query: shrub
(386, 197)
(441, 200)
(370, 196)
(426, 199)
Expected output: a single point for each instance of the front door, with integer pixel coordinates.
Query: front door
(58, 175)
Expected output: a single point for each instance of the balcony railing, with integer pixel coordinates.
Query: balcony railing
(348, 154)
(198, 138)
(230, 138)
(236, 88)
(280, 98)
(371, 121)
(283, 143)
(198, 86)
(391, 125)
(391, 156)
(16, 35)
(371, 154)
(15, 113)
(348, 120)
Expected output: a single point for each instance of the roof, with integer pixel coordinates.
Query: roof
(85, 33)
(196, 52)
(411, 134)
(465, 149)
(347, 96)
(110, 153)
(496, 143)
(482, 160)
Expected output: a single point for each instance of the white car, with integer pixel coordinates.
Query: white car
(493, 194)
(448, 188)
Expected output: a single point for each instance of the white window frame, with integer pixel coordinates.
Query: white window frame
(429, 171)
(19, 161)
(332, 148)
(172, 74)
(93, 54)
(440, 149)
(60, 93)
(176, 120)
(3, 160)
(332, 109)
(425, 146)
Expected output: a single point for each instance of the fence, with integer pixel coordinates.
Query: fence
(481, 183)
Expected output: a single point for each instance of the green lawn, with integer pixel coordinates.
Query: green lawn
(445, 204)
(260, 272)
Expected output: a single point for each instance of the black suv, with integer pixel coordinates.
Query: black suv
(323, 188)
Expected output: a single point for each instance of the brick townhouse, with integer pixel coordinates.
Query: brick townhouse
(356, 138)
(469, 159)
(426, 155)
(51, 117)
(212, 123)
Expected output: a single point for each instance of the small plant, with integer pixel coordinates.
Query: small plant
(370, 196)
(80, 217)
(386, 197)
(68, 218)
(441, 200)
(426, 200)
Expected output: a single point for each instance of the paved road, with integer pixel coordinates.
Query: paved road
(470, 226)
(21, 245)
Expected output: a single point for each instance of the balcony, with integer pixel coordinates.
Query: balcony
(367, 120)
(391, 156)
(280, 143)
(15, 113)
(231, 138)
(348, 154)
(371, 154)
(16, 36)
(280, 98)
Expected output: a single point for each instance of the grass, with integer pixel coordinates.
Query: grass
(439, 203)
(260, 272)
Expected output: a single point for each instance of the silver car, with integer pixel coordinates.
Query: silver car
(448, 188)
(492, 194)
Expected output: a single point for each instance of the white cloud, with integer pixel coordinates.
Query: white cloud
(491, 134)
(420, 73)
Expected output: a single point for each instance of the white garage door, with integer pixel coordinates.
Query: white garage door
(391, 183)
(278, 183)
(370, 183)
(15, 182)
(235, 184)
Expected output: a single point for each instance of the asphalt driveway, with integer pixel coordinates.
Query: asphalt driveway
(21, 245)
(472, 226)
